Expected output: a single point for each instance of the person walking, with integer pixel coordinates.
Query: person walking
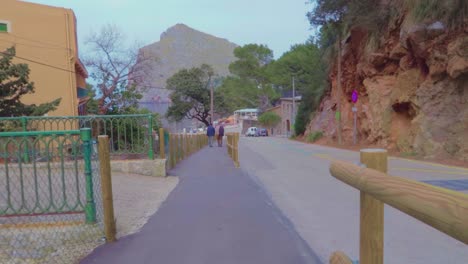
(210, 132)
(220, 135)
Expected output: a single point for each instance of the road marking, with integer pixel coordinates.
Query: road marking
(430, 171)
(323, 156)
(430, 163)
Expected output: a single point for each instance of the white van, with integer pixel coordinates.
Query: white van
(251, 132)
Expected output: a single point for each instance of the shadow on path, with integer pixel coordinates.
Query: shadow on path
(216, 215)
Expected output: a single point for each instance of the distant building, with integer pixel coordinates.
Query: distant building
(246, 114)
(276, 130)
(288, 115)
(45, 38)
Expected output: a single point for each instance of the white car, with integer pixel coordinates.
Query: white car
(251, 132)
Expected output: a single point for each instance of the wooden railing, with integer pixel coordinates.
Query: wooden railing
(183, 145)
(443, 209)
(233, 147)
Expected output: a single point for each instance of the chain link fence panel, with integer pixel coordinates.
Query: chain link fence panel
(50, 197)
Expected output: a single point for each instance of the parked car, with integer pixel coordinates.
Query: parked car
(262, 132)
(251, 132)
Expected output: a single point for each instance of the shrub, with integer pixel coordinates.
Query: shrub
(314, 136)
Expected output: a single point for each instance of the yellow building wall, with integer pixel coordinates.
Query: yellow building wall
(45, 35)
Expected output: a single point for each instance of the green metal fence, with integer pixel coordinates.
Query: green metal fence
(131, 136)
(50, 202)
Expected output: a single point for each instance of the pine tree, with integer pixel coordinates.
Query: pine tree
(14, 83)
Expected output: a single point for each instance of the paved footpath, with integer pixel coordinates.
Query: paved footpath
(216, 215)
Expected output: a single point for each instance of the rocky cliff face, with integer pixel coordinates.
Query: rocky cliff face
(413, 90)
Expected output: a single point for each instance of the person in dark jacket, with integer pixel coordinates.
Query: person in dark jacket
(220, 135)
(210, 132)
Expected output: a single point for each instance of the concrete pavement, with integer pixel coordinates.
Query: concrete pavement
(216, 215)
(325, 211)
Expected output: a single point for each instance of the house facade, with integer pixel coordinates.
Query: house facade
(276, 130)
(45, 38)
(246, 114)
(288, 114)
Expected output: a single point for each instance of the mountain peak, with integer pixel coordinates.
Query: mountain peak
(176, 30)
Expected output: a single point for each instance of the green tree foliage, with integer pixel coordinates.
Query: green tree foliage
(238, 93)
(250, 84)
(250, 63)
(191, 94)
(304, 62)
(301, 61)
(14, 83)
(92, 106)
(453, 13)
(327, 12)
(269, 119)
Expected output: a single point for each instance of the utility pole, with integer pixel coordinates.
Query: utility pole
(211, 102)
(338, 114)
(293, 103)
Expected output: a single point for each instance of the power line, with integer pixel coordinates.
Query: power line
(30, 45)
(38, 41)
(38, 62)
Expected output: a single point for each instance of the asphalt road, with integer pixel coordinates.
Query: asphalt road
(325, 211)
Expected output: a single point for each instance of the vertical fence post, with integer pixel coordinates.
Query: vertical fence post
(161, 143)
(106, 188)
(182, 154)
(230, 145)
(177, 146)
(171, 150)
(151, 138)
(372, 212)
(236, 151)
(24, 125)
(190, 144)
(90, 208)
(339, 257)
(186, 145)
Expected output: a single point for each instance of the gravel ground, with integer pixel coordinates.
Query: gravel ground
(136, 198)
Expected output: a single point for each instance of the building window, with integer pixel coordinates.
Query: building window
(4, 26)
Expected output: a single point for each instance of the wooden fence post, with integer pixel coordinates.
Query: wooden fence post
(179, 148)
(198, 142)
(339, 257)
(106, 188)
(161, 143)
(236, 136)
(189, 144)
(228, 138)
(372, 212)
(171, 149)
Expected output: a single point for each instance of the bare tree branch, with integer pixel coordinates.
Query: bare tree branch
(113, 65)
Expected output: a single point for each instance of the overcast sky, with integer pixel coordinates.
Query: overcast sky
(276, 23)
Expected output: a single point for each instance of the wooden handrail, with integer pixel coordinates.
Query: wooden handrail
(443, 209)
(232, 139)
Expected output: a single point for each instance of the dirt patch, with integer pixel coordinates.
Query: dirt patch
(136, 198)
(326, 142)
